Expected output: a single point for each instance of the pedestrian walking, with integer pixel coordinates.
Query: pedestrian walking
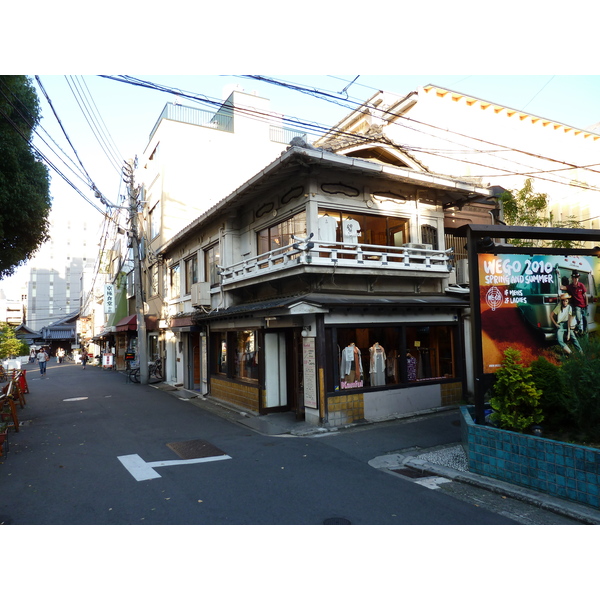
(42, 358)
(84, 357)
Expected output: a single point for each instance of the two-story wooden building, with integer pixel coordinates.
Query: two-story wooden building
(320, 286)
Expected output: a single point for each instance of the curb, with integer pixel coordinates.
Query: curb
(562, 507)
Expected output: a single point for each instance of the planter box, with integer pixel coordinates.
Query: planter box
(562, 470)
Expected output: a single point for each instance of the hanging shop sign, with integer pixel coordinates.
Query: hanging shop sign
(109, 299)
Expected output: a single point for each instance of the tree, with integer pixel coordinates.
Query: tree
(24, 181)
(10, 345)
(526, 208)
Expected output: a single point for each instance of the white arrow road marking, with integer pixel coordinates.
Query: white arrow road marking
(141, 470)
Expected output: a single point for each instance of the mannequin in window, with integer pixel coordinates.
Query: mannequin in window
(377, 364)
(351, 368)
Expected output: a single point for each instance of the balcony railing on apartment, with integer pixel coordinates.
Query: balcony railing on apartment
(221, 121)
(359, 256)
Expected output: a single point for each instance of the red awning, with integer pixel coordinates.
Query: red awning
(130, 323)
(127, 324)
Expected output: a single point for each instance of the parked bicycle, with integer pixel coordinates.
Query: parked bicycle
(154, 372)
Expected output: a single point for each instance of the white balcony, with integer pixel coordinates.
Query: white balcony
(416, 258)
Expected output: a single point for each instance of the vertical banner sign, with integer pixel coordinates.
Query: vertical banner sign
(518, 294)
(109, 299)
(310, 372)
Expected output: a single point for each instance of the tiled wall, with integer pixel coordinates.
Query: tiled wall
(344, 410)
(235, 393)
(562, 470)
(452, 393)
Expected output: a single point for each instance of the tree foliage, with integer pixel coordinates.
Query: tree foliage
(526, 208)
(10, 345)
(24, 181)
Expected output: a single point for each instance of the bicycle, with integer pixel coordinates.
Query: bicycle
(154, 372)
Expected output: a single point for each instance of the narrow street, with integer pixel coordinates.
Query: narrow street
(95, 449)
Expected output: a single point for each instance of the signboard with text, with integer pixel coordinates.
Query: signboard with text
(518, 294)
(109, 299)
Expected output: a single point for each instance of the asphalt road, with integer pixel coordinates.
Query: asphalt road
(90, 441)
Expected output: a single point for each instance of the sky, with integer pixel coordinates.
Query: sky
(108, 121)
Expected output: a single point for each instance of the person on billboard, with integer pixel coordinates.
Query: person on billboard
(579, 301)
(561, 318)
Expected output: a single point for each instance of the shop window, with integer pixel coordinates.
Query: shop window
(356, 228)
(380, 356)
(241, 349)
(220, 353)
(246, 359)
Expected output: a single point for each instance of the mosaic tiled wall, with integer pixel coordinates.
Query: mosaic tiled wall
(562, 470)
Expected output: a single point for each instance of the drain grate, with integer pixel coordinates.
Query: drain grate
(412, 473)
(195, 449)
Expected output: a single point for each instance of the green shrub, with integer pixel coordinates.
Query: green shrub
(580, 376)
(547, 377)
(515, 399)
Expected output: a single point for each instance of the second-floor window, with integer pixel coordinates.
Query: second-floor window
(175, 281)
(356, 228)
(155, 221)
(212, 257)
(191, 273)
(280, 235)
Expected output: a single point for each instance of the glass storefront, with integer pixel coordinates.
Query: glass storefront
(362, 357)
(369, 357)
(241, 348)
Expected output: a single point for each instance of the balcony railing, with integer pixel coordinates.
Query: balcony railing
(337, 254)
(221, 121)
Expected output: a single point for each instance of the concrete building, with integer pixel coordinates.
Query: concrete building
(320, 287)
(193, 159)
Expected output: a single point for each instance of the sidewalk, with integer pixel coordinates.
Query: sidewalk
(447, 461)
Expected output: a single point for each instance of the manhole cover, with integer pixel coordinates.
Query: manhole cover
(336, 521)
(195, 449)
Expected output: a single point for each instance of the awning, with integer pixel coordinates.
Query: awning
(127, 324)
(329, 301)
(130, 323)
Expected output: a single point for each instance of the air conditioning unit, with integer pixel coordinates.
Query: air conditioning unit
(201, 294)
(462, 271)
(420, 246)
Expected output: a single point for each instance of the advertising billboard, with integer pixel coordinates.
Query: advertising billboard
(519, 293)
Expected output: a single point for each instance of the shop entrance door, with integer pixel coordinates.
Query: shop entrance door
(276, 396)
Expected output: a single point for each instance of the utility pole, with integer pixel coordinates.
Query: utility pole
(137, 273)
